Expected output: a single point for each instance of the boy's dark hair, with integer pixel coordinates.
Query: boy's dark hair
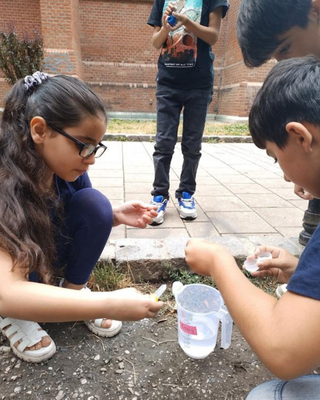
(291, 92)
(260, 22)
(26, 230)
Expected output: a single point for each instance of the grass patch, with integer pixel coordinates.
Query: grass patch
(107, 277)
(188, 278)
(149, 127)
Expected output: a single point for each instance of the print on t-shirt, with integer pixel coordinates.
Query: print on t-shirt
(180, 49)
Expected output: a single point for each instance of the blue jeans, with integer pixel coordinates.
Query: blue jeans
(304, 388)
(81, 237)
(170, 103)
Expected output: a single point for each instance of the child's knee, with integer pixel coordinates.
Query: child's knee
(92, 205)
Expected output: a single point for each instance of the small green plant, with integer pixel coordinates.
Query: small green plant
(20, 55)
(107, 277)
(187, 277)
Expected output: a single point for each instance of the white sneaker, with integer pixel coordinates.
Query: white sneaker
(161, 203)
(187, 206)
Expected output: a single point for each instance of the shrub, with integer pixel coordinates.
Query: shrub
(20, 55)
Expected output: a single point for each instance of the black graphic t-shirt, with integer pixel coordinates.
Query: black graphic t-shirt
(185, 61)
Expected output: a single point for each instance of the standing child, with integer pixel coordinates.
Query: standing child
(184, 81)
(51, 217)
(283, 333)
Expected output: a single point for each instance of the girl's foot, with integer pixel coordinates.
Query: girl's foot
(101, 326)
(104, 327)
(27, 339)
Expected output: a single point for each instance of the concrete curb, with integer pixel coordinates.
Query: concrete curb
(149, 259)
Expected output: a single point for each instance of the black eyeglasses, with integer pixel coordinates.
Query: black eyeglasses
(86, 150)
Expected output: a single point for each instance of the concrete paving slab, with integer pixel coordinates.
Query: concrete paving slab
(270, 200)
(221, 203)
(212, 190)
(300, 203)
(286, 194)
(240, 192)
(201, 230)
(287, 217)
(252, 188)
(235, 178)
(239, 222)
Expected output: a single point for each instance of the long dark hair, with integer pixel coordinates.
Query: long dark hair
(26, 231)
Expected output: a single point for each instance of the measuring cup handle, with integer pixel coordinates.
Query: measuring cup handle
(226, 327)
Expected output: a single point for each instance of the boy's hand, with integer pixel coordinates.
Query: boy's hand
(171, 10)
(134, 213)
(202, 256)
(281, 266)
(134, 305)
(299, 191)
(167, 12)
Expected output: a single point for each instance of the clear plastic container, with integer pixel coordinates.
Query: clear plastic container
(200, 310)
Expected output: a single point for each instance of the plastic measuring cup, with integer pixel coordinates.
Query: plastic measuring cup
(200, 309)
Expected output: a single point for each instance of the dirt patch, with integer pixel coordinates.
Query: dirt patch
(144, 361)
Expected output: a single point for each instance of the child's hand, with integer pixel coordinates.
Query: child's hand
(281, 266)
(134, 213)
(299, 191)
(171, 10)
(182, 19)
(167, 12)
(133, 305)
(202, 256)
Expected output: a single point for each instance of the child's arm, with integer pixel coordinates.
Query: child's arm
(210, 33)
(160, 34)
(284, 333)
(26, 300)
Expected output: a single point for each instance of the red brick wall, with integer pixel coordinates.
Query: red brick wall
(25, 15)
(108, 44)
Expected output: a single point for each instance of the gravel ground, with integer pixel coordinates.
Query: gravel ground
(144, 362)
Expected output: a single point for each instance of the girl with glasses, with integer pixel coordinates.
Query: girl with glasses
(51, 218)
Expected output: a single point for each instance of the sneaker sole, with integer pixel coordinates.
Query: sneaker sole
(155, 223)
(188, 217)
(158, 220)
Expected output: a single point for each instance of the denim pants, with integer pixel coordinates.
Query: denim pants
(304, 388)
(81, 237)
(170, 103)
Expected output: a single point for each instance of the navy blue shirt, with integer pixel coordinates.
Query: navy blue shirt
(306, 279)
(187, 75)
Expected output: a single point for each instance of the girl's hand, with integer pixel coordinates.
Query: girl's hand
(203, 256)
(133, 305)
(281, 266)
(134, 213)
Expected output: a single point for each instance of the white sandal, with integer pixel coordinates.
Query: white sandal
(29, 333)
(95, 326)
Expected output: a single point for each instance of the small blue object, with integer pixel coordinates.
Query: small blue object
(172, 20)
